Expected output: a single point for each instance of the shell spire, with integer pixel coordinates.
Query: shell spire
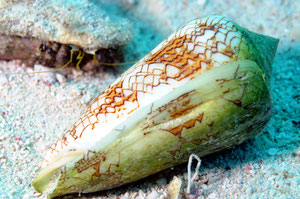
(264, 48)
(203, 89)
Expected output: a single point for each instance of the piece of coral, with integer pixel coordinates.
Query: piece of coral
(84, 24)
(202, 90)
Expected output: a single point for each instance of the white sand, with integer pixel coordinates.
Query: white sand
(36, 109)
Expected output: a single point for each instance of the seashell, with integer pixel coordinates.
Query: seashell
(202, 90)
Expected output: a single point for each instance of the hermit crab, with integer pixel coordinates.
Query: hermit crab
(202, 90)
(48, 33)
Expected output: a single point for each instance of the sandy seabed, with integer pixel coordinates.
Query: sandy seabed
(36, 109)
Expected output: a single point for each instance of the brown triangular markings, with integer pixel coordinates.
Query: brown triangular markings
(178, 130)
(64, 177)
(107, 172)
(89, 159)
(198, 140)
(94, 160)
(188, 124)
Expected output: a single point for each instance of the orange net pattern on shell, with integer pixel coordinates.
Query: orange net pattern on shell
(195, 48)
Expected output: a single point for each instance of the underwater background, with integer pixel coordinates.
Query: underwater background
(36, 109)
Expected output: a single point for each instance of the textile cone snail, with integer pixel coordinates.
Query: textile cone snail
(203, 89)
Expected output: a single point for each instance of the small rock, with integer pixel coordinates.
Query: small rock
(174, 187)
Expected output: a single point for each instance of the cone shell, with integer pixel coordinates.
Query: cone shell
(203, 89)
